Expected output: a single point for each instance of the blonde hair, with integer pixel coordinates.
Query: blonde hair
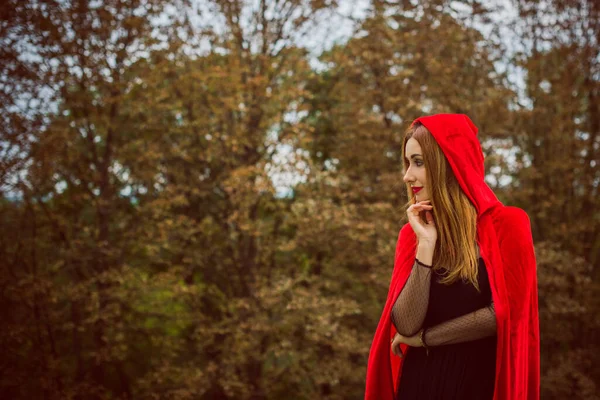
(455, 215)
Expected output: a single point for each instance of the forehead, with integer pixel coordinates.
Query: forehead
(412, 147)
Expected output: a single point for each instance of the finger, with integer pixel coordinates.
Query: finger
(418, 209)
(421, 205)
(396, 350)
(429, 217)
(415, 209)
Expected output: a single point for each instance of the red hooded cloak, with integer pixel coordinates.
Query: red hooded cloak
(506, 246)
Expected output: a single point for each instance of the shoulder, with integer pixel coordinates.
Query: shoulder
(512, 225)
(406, 235)
(510, 218)
(406, 228)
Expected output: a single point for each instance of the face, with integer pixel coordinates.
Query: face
(415, 175)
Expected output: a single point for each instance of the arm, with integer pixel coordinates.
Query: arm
(476, 325)
(410, 308)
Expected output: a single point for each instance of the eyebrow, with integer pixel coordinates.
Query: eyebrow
(414, 155)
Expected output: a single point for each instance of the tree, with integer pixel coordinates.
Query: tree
(69, 190)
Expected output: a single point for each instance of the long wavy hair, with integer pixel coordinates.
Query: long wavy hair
(455, 254)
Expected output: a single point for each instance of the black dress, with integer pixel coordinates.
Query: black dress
(453, 370)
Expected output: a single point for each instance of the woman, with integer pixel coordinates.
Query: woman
(461, 316)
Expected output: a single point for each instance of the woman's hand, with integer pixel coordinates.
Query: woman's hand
(426, 232)
(412, 341)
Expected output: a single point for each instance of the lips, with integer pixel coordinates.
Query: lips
(417, 189)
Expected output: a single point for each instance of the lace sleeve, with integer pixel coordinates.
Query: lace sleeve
(410, 308)
(472, 326)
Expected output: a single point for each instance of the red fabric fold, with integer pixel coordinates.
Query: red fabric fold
(506, 246)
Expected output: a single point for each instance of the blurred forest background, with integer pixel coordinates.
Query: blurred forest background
(201, 199)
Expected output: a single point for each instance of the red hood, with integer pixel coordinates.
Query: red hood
(457, 136)
(506, 245)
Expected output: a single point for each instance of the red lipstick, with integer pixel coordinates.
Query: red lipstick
(417, 189)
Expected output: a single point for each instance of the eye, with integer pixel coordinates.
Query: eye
(418, 163)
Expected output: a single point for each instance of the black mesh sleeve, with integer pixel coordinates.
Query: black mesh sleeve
(410, 308)
(476, 325)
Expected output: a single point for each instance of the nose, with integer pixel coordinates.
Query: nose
(408, 177)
